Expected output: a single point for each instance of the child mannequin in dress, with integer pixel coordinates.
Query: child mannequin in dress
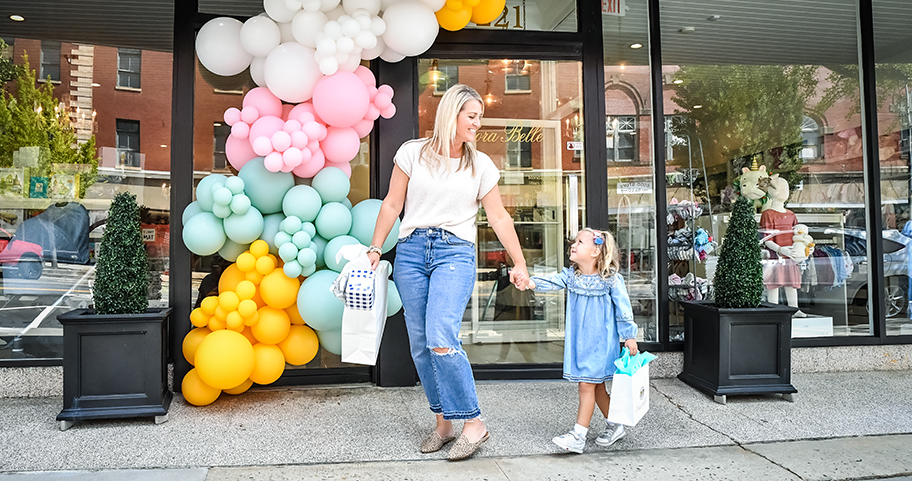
(598, 319)
(782, 269)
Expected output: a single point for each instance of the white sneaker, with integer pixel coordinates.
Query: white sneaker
(571, 442)
(610, 435)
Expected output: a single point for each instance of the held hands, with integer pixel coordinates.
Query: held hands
(631, 346)
(519, 276)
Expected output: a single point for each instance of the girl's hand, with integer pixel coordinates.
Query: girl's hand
(519, 276)
(631, 346)
(375, 260)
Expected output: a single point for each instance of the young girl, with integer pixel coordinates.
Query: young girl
(599, 318)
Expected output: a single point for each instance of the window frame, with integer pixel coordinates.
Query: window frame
(128, 72)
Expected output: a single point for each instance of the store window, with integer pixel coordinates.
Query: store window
(443, 77)
(129, 65)
(50, 60)
(220, 131)
(548, 16)
(542, 187)
(128, 143)
(744, 82)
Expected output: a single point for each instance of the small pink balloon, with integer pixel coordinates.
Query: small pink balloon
(386, 89)
(363, 127)
(300, 109)
(286, 168)
(281, 141)
(286, 109)
(238, 151)
(382, 100)
(250, 114)
(310, 168)
(291, 125)
(314, 145)
(341, 144)
(264, 101)
(307, 117)
(262, 146)
(240, 130)
(388, 112)
(306, 154)
(312, 129)
(343, 166)
(265, 127)
(373, 112)
(366, 75)
(232, 115)
(323, 132)
(274, 162)
(299, 139)
(372, 91)
(341, 99)
(293, 157)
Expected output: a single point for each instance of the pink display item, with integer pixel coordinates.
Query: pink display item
(341, 144)
(265, 102)
(238, 151)
(341, 99)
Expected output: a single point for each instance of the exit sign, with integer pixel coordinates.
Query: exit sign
(613, 7)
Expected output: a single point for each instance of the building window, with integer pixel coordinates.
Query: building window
(444, 77)
(129, 64)
(676, 147)
(518, 83)
(811, 139)
(128, 143)
(7, 51)
(221, 132)
(621, 138)
(519, 153)
(50, 60)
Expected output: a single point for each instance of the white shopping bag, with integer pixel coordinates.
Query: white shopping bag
(629, 397)
(364, 315)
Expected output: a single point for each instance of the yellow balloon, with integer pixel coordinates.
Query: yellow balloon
(278, 290)
(249, 335)
(240, 389)
(246, 262)
(455, 5)
(234, 321)
(252, 320)
(259, 248)
(197, 392)
(272, 327)
(254, 277)
(453, 20)
(472, 3)
(228, 301)
(295, 315)
(216, 324)
(246, 289)
(488, 10)
(300, 346)
(269, 364)
(220, 313)
(199, 318)
(230, 278)
(265, 265)
(224, 359)
(209, 304)
(191, 342)
(247, 308)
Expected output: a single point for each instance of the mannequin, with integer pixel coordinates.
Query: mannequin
(781, 270)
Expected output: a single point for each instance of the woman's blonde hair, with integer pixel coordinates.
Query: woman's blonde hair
(607, 263)
(438, 147)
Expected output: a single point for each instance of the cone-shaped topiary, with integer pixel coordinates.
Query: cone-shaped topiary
(121, 277)
(739, 275)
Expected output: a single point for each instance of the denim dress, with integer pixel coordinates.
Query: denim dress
(598, 317)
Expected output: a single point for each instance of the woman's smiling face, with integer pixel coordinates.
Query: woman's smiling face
(468, 122)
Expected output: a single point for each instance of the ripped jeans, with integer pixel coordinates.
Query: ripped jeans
(435, 274)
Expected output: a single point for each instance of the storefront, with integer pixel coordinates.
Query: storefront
(637, 116)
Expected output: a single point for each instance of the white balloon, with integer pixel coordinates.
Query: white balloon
(351, 27)
(366, 40)
(384, 4)
(391, 55)
(372, 6)
(278, 11)
(345, 45)
(257, 69)
(411, 27)
(327, 5)
(434, 4)
(291, 72)
(378, 26)
(311, 5)
(259, 35)
(293, 4)
(306, 25)
(335, 12)
(372, 53)
(329, 66)
(340, 57)
(286, 31)
(352, 63)
(364, 21)
(219, 48)
(333, 30)
(326, 46)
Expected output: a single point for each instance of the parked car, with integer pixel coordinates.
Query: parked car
(21, 257)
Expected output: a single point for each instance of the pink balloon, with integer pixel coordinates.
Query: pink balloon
(274, 162)
(265, 127)
(291, 125)
(299, 139)
(281, 141)
(250, 114)
(262, 145)
(293, 157)
(323, 131)
(240, 130)
(372, 91)
(373, 113)
(382, 100)
(388, 112)
(310, 168)
(313, 130)
(264, 101)
(286, 109)
(343, 166)
(341, 99)
(300, 109)
(366, 75)
(363, 127)
(386, 89)
(305, 154)
(232, 115)
(286, 168)
(341, 144)
(238, 151)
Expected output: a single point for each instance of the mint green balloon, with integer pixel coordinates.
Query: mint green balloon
(235, 184)
(332, 248)
(264, 188)
(288, 252)
(192, 209)
(291, 224)
(393, 301)
(301, 239)
(331, 340)
(308, 270)
(204, 189)
(203, 234)
(364, 219)
(347, 203)
(245, 228)
(303, 202)
(292, 269)
(309, 228)
(307, 256)
(333, 220)
(240, 203)
(231, 250)
(319, 308)
(332, 184)
(271, 225)
(318, 244)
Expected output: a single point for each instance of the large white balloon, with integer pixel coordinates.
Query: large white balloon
(327, 5)
(278, 10)
(434, 4)
(411, 27)
(335, 12)
(391, 55)
(287, 33)
(257, 71)
(260, 35)
(372, 6)
(291, 72)
(306, 25)
(219, 48)
(372, 53)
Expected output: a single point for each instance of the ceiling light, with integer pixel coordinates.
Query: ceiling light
(688, 30)
(713, 18)
(698, 106)
(637, 45)
(162, 145)
(677, 81)
(96, 84)
(17, 18)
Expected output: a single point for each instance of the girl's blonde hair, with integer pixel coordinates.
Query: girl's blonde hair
(607, 263)
(437, 149)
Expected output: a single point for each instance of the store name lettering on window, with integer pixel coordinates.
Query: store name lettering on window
(513, 133)
(512, 17)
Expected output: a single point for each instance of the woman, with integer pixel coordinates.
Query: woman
(440, 182)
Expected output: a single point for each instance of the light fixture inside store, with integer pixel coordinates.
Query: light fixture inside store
(163, 146)
(17, 18)
(698, 106)
(677, 81)
(688, 30)
(636, 45)
(713, 18)
(96, 84)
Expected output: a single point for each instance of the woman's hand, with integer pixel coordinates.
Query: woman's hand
(631, 345)
(374, 259)
(519, 276)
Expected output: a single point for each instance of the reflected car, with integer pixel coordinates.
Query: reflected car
(21, 257)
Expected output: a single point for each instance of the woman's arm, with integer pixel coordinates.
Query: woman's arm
(389, 211)
(502, 223)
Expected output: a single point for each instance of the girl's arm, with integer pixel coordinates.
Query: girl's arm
(502, 224)
(623, 314)
(554, 282)
(389, 211)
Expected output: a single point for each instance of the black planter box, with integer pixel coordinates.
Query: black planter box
(738, 351)
(114, 366)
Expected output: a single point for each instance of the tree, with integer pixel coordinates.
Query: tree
(739, 275)
(121, 278)
(8, 69)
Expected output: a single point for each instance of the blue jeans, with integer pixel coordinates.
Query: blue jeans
(435, 275)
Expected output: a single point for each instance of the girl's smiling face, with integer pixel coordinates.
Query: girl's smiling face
(583, 251)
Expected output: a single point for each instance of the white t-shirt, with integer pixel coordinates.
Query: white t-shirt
(448, 200)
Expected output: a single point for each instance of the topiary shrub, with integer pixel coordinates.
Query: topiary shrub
(738, 282)
(121, 275)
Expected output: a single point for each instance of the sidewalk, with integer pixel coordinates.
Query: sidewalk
(843, 426)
